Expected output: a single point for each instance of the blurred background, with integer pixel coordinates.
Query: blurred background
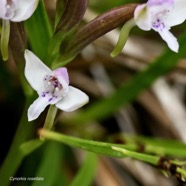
(157, 111)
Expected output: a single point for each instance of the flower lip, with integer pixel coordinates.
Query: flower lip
(52, 88)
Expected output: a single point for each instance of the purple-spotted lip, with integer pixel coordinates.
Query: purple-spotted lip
(53, 89)
(53, 82)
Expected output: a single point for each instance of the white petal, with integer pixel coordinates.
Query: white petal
(35, 70)
(169, 38)
(73, 100)
(24, 9)
(142, 17)
(178, 14)
(3, 9)
(37, 107)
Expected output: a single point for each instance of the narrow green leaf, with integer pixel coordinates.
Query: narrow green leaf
(60, 7)
(89, 145)
(39, 31)
(86, 174)
(29, 146)
(50, 165)
(139, 156)
(14, 157)
(163, 147)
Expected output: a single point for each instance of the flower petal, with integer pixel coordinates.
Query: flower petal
(24, 9)
(62, 76)
(35, 70)
(73, 100)
(159, 2)
(178, 14)
(36, 108)
(169, 38)
(142, 17)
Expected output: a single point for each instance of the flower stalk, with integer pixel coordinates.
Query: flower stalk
(49, 121)
(5, 38)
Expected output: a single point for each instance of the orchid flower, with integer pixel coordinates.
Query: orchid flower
(51, 86)
(161, 15)
(15, 11)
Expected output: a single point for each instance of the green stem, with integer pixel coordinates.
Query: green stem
(49, 121)
(5, 38)
(14, 157)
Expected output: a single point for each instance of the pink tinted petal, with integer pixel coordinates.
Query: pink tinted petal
(178, 14)
(73, 100)
(36, 108)
(142, 17)
(24, 9)
(35, 70)
(169, 38)
(62, 76)
(62, 73)
(159, 2)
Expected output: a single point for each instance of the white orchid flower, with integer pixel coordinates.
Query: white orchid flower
(51, 86)
(161, 15)
(15, 11)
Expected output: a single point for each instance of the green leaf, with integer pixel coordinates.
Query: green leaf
(29, 146)
(15, 156)
(38, 31)
(139, 156)
(159, 146)
(50, 165)
(88, 145)
(86, 174)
